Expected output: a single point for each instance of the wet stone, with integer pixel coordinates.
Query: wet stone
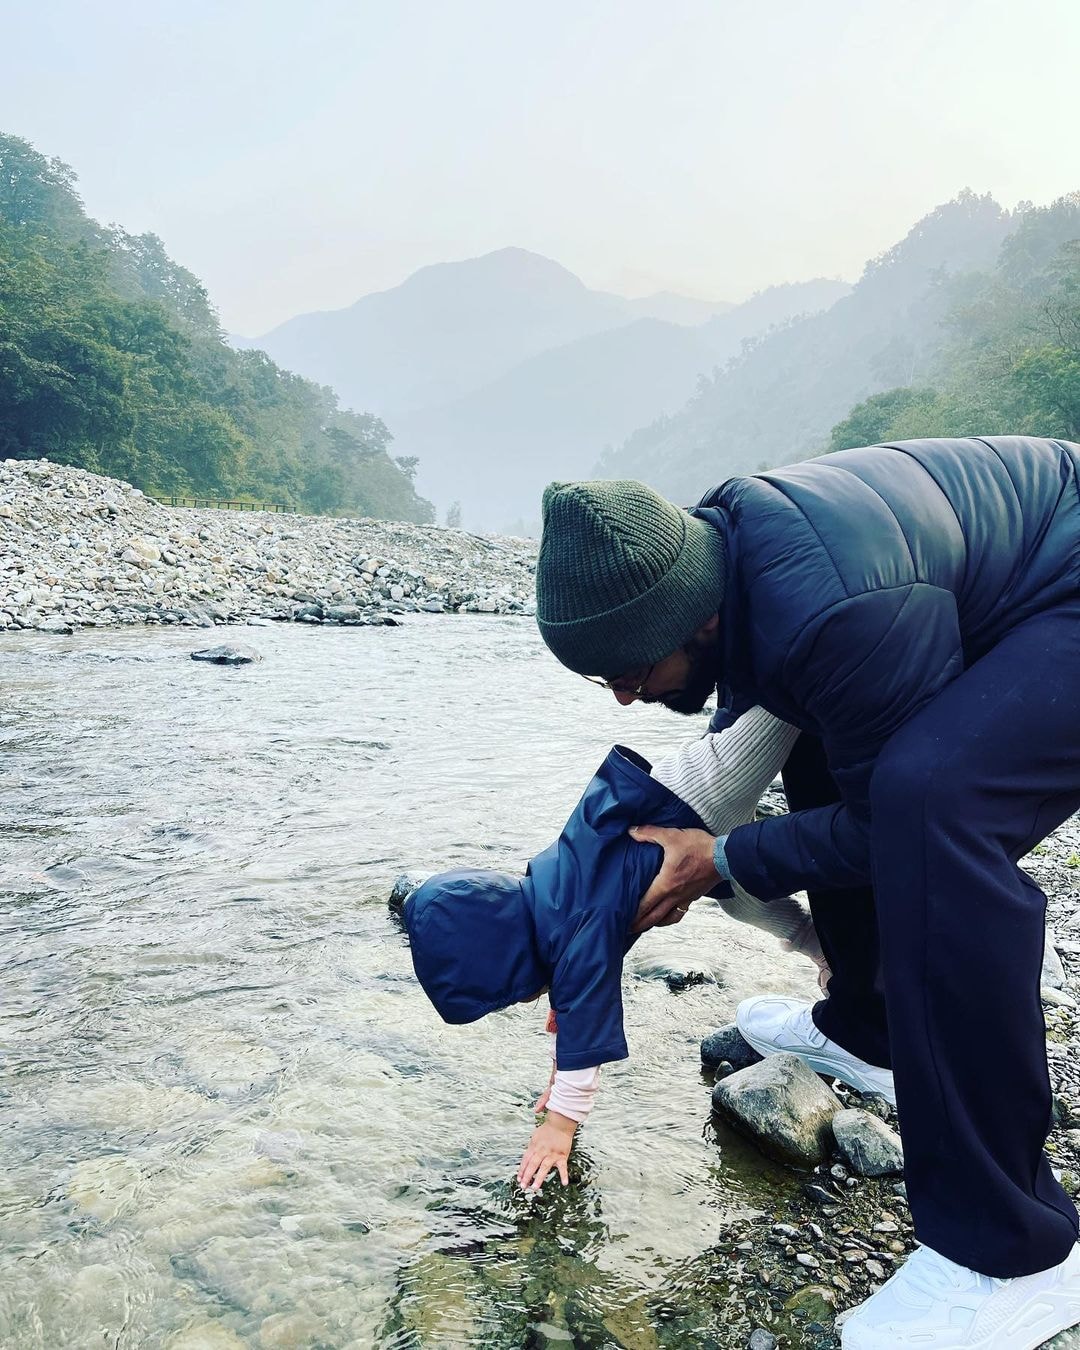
(814, 1301)
(402, 888)
(760, 1339)
(727, 1044)
(783, 1105)
(228, 655)
(868, 1146)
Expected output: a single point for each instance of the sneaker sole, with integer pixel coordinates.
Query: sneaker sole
(1051, 1314)
(820, 1064)
(1047, 1315)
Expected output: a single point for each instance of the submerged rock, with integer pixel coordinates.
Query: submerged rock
(783, 1105)
(817, 1302)
(228, 655)
(403, 887)
(868, 1146)
(728, 1044)
(677, 975)
(205, 1334)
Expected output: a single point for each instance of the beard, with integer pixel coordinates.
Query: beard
(699, 686)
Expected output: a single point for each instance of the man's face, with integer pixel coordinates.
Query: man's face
(683, 682)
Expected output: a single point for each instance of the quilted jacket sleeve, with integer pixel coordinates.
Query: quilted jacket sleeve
(586, 990)
(860, 670)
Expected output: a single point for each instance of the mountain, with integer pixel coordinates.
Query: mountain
(496, 448)
(503, 371)
(674, 308)
(548, 417)
(779, 400)
(443, 332)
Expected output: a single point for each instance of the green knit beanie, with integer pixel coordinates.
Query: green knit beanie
(624, 578)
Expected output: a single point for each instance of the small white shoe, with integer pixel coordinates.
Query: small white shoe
(775, 1025)
(931, 1303)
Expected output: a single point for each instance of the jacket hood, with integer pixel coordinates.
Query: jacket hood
(473, 943)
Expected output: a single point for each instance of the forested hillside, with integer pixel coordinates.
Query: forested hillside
(1010, 360)
(778, 401)
(112, 358)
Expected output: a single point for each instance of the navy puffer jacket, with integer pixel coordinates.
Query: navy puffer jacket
(483, 940)
(861, 583)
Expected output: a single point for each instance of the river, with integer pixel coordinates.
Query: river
(228, 1115)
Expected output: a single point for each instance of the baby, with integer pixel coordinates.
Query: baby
(484, 940)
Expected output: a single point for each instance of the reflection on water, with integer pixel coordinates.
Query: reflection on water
(228, 1116)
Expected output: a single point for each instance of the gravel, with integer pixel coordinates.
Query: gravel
(81, 551)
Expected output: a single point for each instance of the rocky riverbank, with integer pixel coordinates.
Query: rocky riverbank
(837, 1234)
(78, 550)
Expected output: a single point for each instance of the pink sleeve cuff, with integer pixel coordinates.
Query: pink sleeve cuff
(574, 1092)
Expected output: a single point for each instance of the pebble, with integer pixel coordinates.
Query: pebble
(760, 1339)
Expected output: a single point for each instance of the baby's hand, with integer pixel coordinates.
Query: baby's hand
(548, 1148)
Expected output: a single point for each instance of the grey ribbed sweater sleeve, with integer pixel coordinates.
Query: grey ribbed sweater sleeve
(722, 776)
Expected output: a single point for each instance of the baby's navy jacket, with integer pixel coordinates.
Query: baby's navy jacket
(484, 940)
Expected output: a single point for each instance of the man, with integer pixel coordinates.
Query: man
(915, 610)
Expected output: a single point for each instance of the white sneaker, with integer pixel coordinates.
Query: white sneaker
(933, 1304)
(775, 1025)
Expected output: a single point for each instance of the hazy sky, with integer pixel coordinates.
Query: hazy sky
(297, 155)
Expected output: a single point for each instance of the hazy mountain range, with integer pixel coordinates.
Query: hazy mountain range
(505, 371)
(778, 402)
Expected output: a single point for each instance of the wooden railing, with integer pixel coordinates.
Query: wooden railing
(221, 504)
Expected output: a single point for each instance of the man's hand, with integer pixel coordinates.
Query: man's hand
(548, 1148)
(687, 874)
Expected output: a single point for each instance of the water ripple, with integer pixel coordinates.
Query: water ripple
(229, 1117)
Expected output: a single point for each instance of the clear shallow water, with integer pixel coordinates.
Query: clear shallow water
(227, 1115)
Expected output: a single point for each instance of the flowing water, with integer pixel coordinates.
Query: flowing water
(228, 1117)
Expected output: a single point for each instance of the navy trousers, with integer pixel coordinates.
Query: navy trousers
(936, 969)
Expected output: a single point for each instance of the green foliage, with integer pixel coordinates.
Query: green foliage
(1011, 358)
(112, 358)
(870, 421)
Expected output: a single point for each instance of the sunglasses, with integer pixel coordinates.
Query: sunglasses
(624, 684)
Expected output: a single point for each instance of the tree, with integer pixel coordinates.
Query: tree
(869, 422)
(453, 516)
(112, 357)
(1010, 361)
(407, 464)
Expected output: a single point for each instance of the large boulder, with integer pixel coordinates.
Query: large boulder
(784, 1106)
(868, 1146)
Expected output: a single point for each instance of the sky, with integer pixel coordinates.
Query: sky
(296, 156)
